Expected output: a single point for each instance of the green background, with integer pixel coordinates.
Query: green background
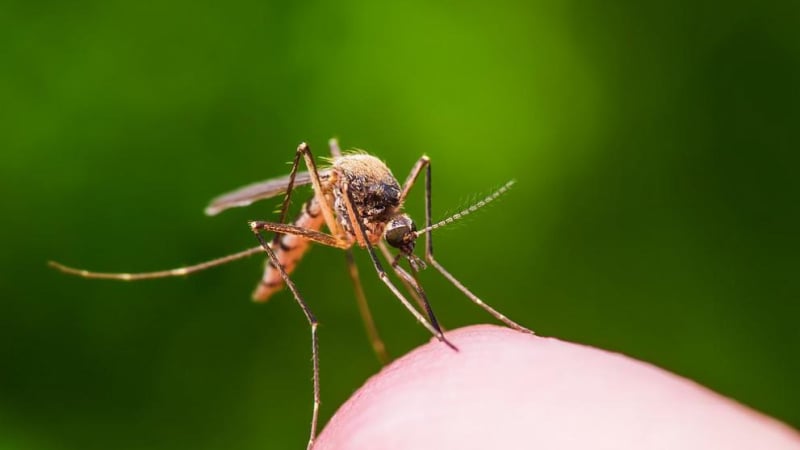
(656, 211)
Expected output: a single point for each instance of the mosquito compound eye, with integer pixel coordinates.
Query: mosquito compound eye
(400, 233)
(396, 236)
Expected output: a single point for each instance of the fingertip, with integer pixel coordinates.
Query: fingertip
(507, 389)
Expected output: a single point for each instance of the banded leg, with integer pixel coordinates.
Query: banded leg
(361, 235)
(424, 163)
(312, 321)
(177, 272)
(363, 308)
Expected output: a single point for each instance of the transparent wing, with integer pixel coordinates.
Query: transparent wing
(246, 195)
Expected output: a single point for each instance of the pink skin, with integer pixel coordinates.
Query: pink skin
(509, 390)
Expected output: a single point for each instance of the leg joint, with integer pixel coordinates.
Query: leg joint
(303, 148)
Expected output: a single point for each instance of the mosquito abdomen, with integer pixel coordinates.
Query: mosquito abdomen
(289, 250)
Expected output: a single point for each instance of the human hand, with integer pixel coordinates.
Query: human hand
(509, 390)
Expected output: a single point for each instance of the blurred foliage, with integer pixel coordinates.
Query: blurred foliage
(656, 211)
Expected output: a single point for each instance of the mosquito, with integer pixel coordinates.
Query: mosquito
(360, 203)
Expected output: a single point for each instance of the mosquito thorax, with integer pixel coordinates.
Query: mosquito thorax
(399, 233)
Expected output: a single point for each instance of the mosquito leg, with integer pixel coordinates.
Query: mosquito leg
(475, 299)
(432, 261)
(421, 163)
(361, 235)
(366, 316)
(387, 254)
(288, 196)
(177, 272)
(411, 280)
(333, 143)
(306, 233)
(312, 321)
(265, 286)
(324, 203)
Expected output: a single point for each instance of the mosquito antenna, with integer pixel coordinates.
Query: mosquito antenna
(180, 271)
(493, 196)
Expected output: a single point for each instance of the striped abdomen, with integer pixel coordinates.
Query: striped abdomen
(289, 250)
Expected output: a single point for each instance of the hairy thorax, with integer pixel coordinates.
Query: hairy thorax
(374, 190)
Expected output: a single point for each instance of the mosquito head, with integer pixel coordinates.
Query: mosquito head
(400, 233)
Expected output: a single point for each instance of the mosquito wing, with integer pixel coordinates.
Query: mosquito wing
(246, 195)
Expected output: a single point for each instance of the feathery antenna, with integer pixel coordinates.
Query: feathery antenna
(493, 196)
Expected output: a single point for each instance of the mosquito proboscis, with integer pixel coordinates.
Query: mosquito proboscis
(359, 202)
